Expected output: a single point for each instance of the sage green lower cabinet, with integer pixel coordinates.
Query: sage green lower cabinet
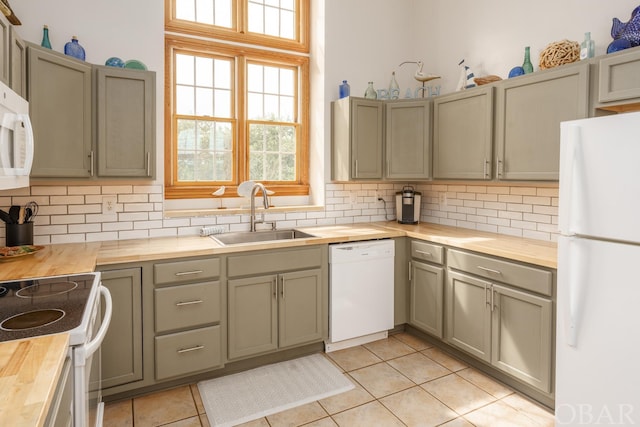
(122, 346)
(275, 311)
(277, 299)
(502, 313)
(188, 317)
(469, 314)
(61, 410)
(427, 288)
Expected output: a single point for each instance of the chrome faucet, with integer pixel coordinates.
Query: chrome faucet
(265, 200)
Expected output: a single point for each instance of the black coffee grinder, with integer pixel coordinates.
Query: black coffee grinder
(408, 204)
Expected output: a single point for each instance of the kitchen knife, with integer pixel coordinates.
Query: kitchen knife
(21, 214)
(14, 213)
(5, 217)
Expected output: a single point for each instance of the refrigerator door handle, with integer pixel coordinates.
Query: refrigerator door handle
(569, 209)
(577, 264)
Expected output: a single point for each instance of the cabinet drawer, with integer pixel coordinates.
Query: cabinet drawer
(187, 352)
(532, 279)
(274, 261)
(187, 305)
(427, 251)
(189, 270)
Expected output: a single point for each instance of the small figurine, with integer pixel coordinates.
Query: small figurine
(466, 77)
(627, 30)
(420, 76)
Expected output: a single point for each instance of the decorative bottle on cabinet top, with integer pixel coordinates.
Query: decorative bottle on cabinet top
(74, 49)
(527, 65)
(345, 89)
(370, 93)
(587, 48)
(45, 38)
(394, 88)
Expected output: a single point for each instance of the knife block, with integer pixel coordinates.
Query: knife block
(20, 234)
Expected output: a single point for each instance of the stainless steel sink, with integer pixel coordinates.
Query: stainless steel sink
(259, 236)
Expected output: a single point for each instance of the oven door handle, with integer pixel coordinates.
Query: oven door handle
(94, 344)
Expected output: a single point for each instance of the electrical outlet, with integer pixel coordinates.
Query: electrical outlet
(443, 199)
(109, 205)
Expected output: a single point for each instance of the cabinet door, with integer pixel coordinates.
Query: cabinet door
(300, 308)
(528, 115)
(619, 78)
(5, 30)
(469, 314)
(522, 336)
(60, 109)
(427, 291)
(356, 139)
(18, 55)
(463, 134)
(122, 346)
(408, 139)
(125, 122)
(253, 316)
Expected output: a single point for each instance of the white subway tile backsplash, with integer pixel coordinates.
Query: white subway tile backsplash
(74, 212)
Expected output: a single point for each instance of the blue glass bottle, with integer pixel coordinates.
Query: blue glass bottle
(45, 38)
(345, 89)
(74, 49)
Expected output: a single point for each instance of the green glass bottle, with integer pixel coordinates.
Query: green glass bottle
(527, 65)
(45, 38)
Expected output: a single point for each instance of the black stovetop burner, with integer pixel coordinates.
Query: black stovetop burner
(43, 306)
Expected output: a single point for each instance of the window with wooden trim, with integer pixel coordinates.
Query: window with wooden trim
(237, 96)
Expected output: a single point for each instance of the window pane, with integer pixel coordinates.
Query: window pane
(271, 21)
(222, 103)
(185, 100)
(287, 25)
(256, 18)
(254, 78)
(255, 108)
(277, 99)
(204, 11)
(204, 102)
(222, 74)
(271, 107)
(286, 109)
(223, 13)
(204, 71)
(287, 82)
(272, 152)
(271, 80)
(186, 9)
(204, 150)
(184, 69)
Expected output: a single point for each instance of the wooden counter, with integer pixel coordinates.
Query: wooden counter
(29, 371)
(53, 260)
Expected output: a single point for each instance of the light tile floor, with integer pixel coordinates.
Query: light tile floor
(400, 381)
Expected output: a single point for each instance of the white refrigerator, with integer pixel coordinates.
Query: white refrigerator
(598, 299)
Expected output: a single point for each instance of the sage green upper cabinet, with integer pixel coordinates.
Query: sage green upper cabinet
(60, 107)
(5, 35)
(357, 139)
(619, 81)
(463, 134)
(529, 110)
(18, 55)
(408, 139)
(125, 108)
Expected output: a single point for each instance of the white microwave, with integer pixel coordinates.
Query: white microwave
(16, 140)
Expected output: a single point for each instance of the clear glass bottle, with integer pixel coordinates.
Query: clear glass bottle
(527, 65)
(345, 89)
(394, 88)
(370, 93)
(587, 48)
(45, 38)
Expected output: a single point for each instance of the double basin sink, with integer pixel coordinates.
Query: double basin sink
(244, 237)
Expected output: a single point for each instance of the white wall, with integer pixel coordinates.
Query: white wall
(491, 34)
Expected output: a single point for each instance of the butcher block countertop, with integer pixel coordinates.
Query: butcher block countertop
(29, 371)
(53, 260)
(536, 252)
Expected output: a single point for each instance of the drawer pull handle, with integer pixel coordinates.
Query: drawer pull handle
(424, 253)
(490, 270)
(187, 350)
(187, 273)
(180, 304)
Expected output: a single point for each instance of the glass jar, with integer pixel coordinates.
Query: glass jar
(45, 38)
(527, 65)
(74, 49)
(345, 89)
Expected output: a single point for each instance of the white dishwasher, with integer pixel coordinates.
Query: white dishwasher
(361, 288)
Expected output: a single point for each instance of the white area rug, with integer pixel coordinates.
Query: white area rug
(253, 394)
